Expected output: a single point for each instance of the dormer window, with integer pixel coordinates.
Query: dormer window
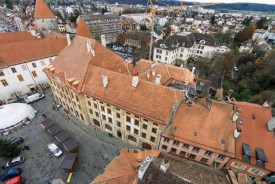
(202, 42)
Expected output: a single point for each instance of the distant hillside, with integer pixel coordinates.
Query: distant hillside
(231, 6)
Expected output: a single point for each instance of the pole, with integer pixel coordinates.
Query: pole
(151, 43)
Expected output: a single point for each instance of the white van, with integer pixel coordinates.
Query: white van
(34, 97)
(54, 149)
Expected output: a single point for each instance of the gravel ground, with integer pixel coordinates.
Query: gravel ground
(96, 149)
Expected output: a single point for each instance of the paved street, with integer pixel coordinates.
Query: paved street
(96, 149)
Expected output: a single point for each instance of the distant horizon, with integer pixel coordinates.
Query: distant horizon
(270, 2)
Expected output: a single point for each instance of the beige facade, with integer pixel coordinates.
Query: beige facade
(194, 153)
(120, 123)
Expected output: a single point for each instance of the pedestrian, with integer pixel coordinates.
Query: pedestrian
(26, 147)
(3, 168)
(44, 115)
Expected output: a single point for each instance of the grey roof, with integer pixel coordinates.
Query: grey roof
(99, 17)
(158, 32)
(209, 40)
(175, 41)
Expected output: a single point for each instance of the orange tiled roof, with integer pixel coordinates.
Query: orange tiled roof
(54, 35)
(212, 126)
(82, 29)
(16, 53)
(42, 10)
(255, 133)
(124, 168)
(12, 37)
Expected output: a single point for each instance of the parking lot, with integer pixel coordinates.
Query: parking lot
(123, 51)
(96, 149)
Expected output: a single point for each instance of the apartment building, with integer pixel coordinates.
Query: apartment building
(22, 59)
(108, 25)
(45, 20)
(183, 46)
(137, 38)
(202, 131)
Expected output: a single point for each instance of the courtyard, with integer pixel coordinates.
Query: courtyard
(96, 148)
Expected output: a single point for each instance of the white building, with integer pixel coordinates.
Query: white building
(260, 34)
(246, 46)
(19, 24)
(22, 62)
(184, 45)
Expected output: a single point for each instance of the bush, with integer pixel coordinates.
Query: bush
(8, 150)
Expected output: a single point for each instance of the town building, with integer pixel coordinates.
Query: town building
(123, 99)
(150, 166)
(45, 20)
(137, 38)
(21, 73)
(108, 25)
(254, 154)
(246, 46)
(183, 46)
(260, 34)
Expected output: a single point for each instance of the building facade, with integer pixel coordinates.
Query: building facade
(108, 25)
(137, 39)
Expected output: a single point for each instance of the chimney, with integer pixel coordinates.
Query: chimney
(271, 124)
(148, 76)
(158, 77)
(103, 40)
(105, 81)
(236, 115)
(142, 169)
(153, 73)
(68, 39)
(88, 44)
(267, 104)
(135, 81)
(237, 132)
(192, 73)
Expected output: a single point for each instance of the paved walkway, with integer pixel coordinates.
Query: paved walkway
(96, 149)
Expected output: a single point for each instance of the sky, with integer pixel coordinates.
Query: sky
(236, 1)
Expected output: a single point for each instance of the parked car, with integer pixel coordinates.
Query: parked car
(54, 149)
(10, 173)
(16, 180)
(15, 161)
(17, 140)
(34, 97)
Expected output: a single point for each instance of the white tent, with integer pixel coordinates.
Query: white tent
(12, 114)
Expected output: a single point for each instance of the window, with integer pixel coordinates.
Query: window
(176, 143)
(164, 147)
(132, 138)
(117, 115)
(4, 82)
(143, 135)
(185, 146)
(81, 116)
(191, 156)
(20, 78)
(103, 117)
(128, 128)
(196, 149)
(34, 74)
(255, 171)
(76, 97)
(102, 108)
(173, 150)
(89, 103)
(110, 120)
(42, 62)
(109, 111)
(2, 73)
(136, 131)
(238, 165)
(118, 124)
(204, 160)
(153, 139)
(155, 124)
(144, 126)
(96, 114)
(216, 164)
(166, 139)
(13, 70)
(128, 119)
(108, 127)
(91, 111)
(154, 130)
(136, 122)
(182, 153)
(33, 65)
(95, 106)
(221, 157)
(208, 153)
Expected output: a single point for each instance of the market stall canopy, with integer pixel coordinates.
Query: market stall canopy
(71, 145)
(62, 136)
(69, 162)
(53, 130)
(47, 124)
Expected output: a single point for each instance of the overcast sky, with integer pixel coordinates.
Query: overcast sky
(236, 1)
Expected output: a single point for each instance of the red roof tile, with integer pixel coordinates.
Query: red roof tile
(82, 29)
(42, 10)
(13, 37)
(255, 133)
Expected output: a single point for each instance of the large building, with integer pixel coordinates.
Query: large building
(45, 20)
(22, 59)
(183, 46)
(108, 25)
(137, 38)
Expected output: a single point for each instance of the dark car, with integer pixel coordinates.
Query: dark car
(15, 161)
(10, 173)
(17, 140)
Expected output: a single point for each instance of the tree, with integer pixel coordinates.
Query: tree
(262, 23)
(74, 15)
(247, 21)
(120, 39)
(168, 30)
(144, 43)
(244, 34)
(8, 150)
(8, 4)
(143, 27)
(213, 20)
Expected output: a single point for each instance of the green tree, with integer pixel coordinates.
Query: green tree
(8, 4)
(8, 150)
(74, 15)
(143, 27)
(213, 20)
(247, 21)
(262, 23)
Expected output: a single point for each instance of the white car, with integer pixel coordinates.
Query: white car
(54, 149)
(34, 97)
